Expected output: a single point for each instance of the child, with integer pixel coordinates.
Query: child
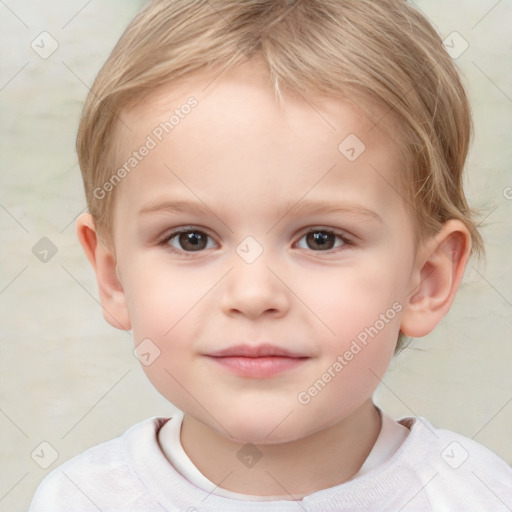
(275, 202)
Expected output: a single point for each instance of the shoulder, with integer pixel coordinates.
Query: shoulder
(86, 481)
(455, 470)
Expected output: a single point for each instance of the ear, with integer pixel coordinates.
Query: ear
(439, 269)
(103, 261)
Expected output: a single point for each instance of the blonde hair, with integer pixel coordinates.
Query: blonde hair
(385, 51)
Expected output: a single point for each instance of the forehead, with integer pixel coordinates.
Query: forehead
(226, 138)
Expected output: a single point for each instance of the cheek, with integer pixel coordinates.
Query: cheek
(349, 300)
(165, 309)
(159, 297)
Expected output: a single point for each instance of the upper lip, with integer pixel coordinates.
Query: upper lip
(263, 350)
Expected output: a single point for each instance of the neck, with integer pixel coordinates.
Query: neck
(293, 469)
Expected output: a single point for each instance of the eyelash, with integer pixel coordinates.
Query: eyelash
(165, 241)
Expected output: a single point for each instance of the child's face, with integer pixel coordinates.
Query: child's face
(243, 163)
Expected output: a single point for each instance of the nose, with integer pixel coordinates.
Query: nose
(255, 289)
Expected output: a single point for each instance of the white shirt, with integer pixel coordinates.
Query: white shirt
(432, 470)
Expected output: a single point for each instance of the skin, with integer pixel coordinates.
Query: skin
(249, 161)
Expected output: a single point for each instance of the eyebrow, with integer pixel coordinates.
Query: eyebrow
(174, 207)
(323, 207)
(295, 208)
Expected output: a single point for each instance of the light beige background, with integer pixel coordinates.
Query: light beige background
(69, 379)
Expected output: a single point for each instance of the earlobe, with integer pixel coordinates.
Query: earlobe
(438, 273)
(103, 261)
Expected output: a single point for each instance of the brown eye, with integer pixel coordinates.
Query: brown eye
(322, 240)
(189, 241)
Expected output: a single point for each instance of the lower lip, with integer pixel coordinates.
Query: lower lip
(259, 367)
